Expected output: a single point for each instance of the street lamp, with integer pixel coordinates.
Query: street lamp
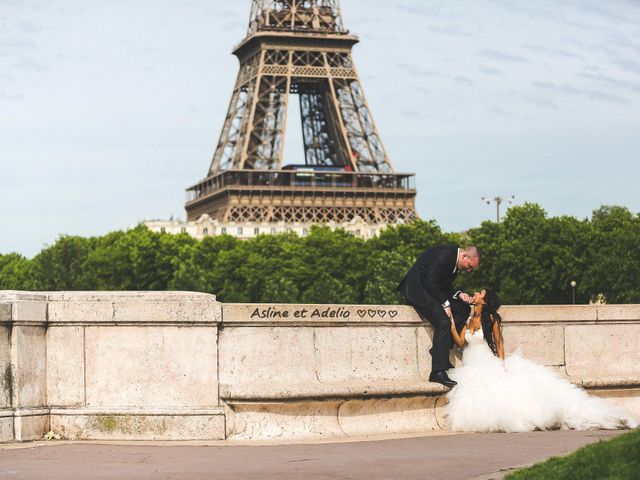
(573, 291)
(498, 201)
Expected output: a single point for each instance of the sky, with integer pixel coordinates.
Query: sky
(110, 109)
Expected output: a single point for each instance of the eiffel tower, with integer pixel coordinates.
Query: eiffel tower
(300, 47)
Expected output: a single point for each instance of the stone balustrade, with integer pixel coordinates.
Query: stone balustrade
(182, 366)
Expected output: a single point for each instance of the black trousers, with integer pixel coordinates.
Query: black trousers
(442, 338)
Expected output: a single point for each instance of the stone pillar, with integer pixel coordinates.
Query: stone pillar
(24, 414)
(134, 365)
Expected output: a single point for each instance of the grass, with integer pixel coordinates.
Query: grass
(617, 459)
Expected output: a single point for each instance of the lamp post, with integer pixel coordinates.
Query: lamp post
(573, 291)
(498, 200)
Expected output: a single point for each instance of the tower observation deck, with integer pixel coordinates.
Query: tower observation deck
(300, 47)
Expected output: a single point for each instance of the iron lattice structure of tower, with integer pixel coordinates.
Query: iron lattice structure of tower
(300, 47)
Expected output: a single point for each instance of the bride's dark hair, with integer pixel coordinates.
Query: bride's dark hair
(489, 316)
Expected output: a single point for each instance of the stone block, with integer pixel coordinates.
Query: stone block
(5, 312)
(151, 366)
(6, 375)
(618, 313)
(334, 419)
(594, 351)
(134, 307)
(79, 311)
(359, 418)
(6, 429)
(285, 421)
(201, 309)
(30, 426)
(136, 426)
(424, 339)
(549, 313)
(278, 355)
(29, 311)
(65, 366)
(542, 344)
(16, 295)
(312, 314)
(29, 372)
(376, 353)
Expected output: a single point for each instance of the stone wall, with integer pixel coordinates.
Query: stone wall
(181, 366)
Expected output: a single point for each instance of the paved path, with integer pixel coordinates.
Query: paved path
(449, 457)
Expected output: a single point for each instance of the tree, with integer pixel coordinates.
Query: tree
(62, 266)
(614, 258)
(15, 272)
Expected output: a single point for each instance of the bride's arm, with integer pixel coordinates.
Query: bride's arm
(458, 338)
(497, 338)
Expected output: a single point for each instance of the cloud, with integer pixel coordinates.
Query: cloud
(612, 81)
(16, 43)
(28, 27)
(415, 71)
(418, 72)
(502, 56)
(499, 111)
(598, 9)
(463, 80)
(525, 8)
(431, 11)
(589, 93)
(451, 30)
(627, 64)
(410, 113)
(30, 64)
(365, 20)
(10, 96)
(490, 71)
(545, 102)
(552, 51)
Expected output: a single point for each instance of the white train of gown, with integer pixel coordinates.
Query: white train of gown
(518, 395)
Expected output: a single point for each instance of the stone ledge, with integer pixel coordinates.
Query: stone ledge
(358, 389)
(171, 411)
(618, 313)
(549, 313)
(17, 295)
(83, 425)
(337, 390)
(606, 382)
(313, 314)
(335, 419)
(133, 308)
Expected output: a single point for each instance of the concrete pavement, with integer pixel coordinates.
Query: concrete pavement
(455, 456)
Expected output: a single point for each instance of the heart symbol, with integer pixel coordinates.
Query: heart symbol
(372, 313)
(393, 313)
(382, 313)
(362, 313)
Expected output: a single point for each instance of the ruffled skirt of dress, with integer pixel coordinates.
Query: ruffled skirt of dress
(519, 396)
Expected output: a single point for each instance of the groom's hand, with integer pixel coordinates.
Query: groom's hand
(465, 298)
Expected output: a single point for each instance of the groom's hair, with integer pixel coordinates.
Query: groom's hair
(472, 251)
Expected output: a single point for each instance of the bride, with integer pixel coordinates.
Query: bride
(513, 394)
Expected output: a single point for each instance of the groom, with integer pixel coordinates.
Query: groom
(428, 288)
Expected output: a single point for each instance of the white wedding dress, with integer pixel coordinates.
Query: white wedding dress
(518, 395)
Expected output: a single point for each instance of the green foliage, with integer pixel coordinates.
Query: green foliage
(618, 458)
(528, 259)
(15, 273)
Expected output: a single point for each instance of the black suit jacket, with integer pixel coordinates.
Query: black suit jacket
(430, 279)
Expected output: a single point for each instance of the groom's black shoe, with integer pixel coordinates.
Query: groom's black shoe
(442, 377)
